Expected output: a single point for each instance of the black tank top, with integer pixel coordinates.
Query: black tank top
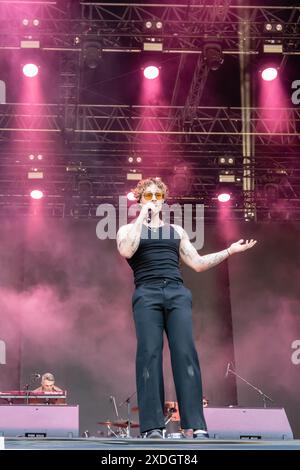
(157, 256)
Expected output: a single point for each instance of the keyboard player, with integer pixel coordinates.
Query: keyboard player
(48, 387)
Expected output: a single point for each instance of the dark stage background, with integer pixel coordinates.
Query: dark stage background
(66, 308)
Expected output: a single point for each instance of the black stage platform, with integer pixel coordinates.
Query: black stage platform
(108, 444)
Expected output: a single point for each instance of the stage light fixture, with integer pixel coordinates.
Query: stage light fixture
(153, 46)
(268, 27)
(29, 44)
(224, 196)
(249, 215)
(134, 176)
(273, 46)
(153, 25)
(213, 55)
(85, 189)
(33, 156)
(26, 22)
(134, 159)
(273, 27)
(30, 70)
(227, 176)
(35, 174)
(154, 42)
(226, 186)
(151, 72)
(181, 180)
(269, 74)
(36, 194)
(226, 161)
(92, 54)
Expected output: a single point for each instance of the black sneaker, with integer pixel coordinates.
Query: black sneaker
(153, 434)
(199, 434)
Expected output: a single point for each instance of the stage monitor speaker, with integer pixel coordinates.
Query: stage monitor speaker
(39, 421)
(247, 423)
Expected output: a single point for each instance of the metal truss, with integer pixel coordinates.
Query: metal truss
(21, 205)
(120, 27)
(276, 195)
(212, 20)
(95, 140)
(216, 15)
(121, 124)
(69, 89)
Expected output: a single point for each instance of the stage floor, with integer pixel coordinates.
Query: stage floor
(107, 444)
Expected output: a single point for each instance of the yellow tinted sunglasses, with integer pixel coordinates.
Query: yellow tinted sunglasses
(148, 195)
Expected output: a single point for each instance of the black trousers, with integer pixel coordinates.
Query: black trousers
(166, 305)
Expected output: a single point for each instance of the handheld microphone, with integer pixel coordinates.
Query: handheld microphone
(227, 370)
(149, 216)
(36, 376)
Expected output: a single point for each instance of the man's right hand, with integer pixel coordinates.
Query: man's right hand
(149, 205)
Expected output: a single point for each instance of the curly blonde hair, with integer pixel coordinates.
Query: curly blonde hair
(143, 184)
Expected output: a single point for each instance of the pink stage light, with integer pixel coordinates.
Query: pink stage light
(270, 73)
(30, 70)
(223, 197)
(130, 196)
(36, 194)
(151, 72)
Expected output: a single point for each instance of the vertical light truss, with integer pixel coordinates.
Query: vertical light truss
(248, 139)
(216, 18)
(69, 92)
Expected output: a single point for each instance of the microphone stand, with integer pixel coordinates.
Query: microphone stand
(112, 398)
(127, 401)
(260, 392)
(26, 388)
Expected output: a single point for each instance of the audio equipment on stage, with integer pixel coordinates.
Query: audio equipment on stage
(21, 394)
(247, 423)
(30, 397)
(39, 421)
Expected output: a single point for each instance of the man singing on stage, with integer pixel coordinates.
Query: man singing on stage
(162, 303)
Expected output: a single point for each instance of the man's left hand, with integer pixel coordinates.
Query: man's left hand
(240, 246)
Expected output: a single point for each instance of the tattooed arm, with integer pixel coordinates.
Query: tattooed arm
(128, 239)
(191, 257)
(129, 236)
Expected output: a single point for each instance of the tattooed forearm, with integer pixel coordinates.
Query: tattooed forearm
(128, 238)
(189, 252)
(200, 263)
(134, 243)
(209, 261)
